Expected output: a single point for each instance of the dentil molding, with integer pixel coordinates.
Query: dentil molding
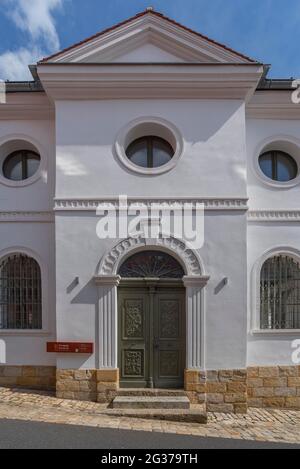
(274, 215)
(66, 204)
(273, 104)
(209, 204)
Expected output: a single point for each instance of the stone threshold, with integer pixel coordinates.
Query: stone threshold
(151, 402)
(172, 415)
(151, 392)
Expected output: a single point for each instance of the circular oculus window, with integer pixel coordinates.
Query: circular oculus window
(149, 146)
(21, 165)
(150, 152)
(278, 166)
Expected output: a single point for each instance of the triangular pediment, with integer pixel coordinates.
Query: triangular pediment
(147, 53)
(148, 38)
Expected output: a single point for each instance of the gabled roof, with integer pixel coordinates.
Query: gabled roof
(148, 11)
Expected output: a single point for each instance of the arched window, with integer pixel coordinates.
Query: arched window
(280, 293)
(20, 293)
(147, 264)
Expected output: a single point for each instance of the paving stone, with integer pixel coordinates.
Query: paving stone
(257, 425)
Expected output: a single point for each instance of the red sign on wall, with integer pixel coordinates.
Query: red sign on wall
(70, 347)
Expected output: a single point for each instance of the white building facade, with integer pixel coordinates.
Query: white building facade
(160, 114)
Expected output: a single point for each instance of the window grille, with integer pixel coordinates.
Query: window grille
(151, 264)
(20, 293)
(280, 293)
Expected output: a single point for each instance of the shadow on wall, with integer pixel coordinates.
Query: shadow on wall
(88, 295)
(220, 286)
(214, 119)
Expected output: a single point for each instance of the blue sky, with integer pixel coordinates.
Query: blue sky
(268, 30)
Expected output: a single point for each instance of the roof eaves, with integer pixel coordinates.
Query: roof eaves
(23, 86)
(276, 84)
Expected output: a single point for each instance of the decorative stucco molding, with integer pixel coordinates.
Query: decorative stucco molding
(272, 104)
(112, 260)
(192, 281)
(32, 217)
(274, 215)
(27, 106)
(212, 204)
(110, 280)
(82, 204)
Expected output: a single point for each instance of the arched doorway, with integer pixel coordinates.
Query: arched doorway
(151, 321)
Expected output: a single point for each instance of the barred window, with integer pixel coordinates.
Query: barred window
(20, 293)
(280, 293)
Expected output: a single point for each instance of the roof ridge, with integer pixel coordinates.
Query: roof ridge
(139, 15)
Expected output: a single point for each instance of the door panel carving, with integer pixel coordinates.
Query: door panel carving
(169, 319)
(133, 363)
(151, 336)
(133, 319)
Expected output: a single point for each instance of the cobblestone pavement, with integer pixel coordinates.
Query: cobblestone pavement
(259, 424)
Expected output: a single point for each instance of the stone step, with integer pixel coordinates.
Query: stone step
(172, 415)
(151, 392)
(151, 402)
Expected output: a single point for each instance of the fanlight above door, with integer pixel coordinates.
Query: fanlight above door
(151, 264)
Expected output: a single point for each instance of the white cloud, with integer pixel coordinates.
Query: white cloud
(34, 17)
(14, 65)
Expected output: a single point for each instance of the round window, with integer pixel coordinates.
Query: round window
(21, 165)
(278, 165)
(150, 152)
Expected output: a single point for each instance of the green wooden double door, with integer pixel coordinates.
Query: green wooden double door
(151, 335)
